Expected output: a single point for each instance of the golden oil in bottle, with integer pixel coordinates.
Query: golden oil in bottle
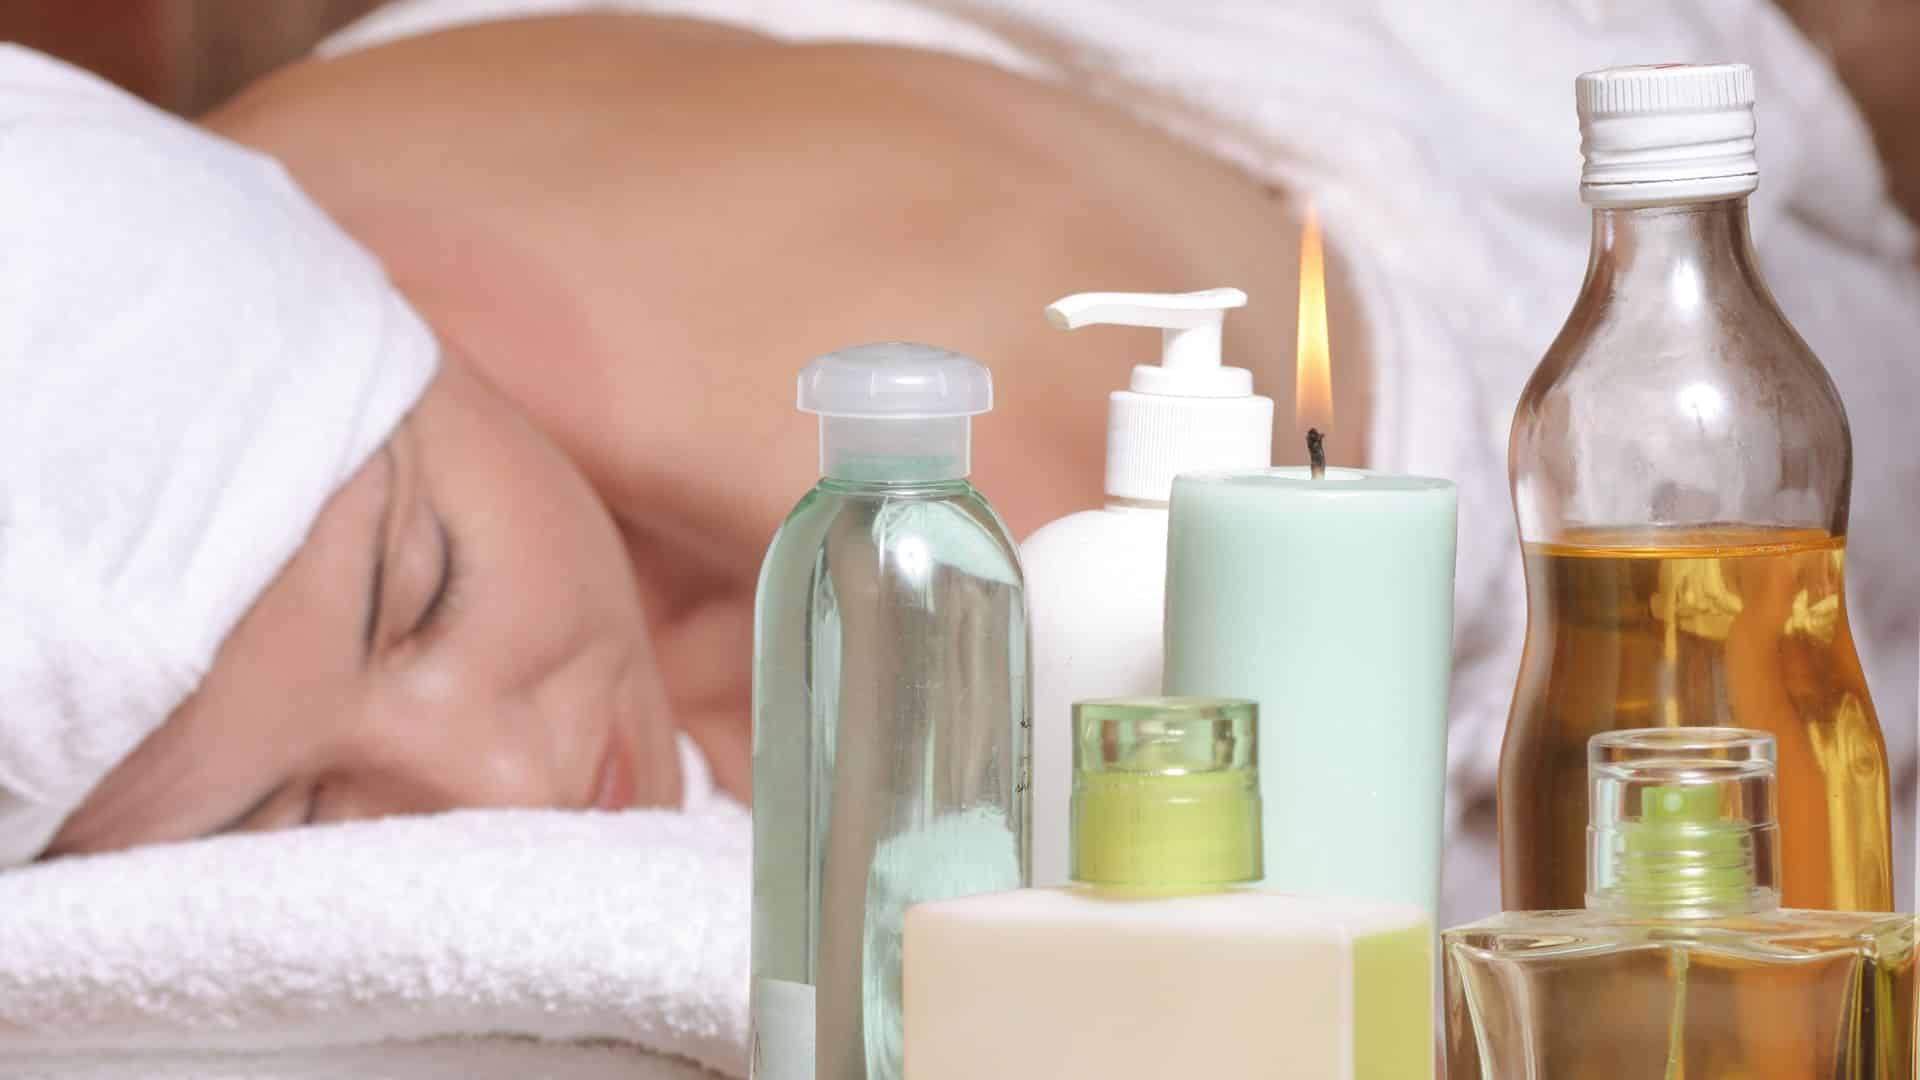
(1722, 625)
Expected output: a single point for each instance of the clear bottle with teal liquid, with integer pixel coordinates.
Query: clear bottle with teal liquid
(1683, 964)
(891, 707)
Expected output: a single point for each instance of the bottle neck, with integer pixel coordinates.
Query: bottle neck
(894, 489)
(884, 450)
(1702, 875)
(1683, 253)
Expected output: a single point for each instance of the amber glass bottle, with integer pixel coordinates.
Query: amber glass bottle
(1681, 465)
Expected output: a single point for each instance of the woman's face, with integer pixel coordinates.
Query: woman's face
(460, 629)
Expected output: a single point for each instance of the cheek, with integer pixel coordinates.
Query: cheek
(544, 573)
(545, 615)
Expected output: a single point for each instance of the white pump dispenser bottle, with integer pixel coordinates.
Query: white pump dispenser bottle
(1096, 580)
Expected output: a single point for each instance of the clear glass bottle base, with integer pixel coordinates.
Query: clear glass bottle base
(1578, 994)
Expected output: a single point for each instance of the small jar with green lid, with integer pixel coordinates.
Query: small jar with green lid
(1166, 793)
(1165, 958)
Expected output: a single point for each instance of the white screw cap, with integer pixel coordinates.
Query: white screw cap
(1666, 133)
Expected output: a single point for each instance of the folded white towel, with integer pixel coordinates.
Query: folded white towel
(630, 928)
(489, 1058)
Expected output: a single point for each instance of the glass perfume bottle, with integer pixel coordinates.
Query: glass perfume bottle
(1681, 466)
(1683, 964)
(1157, 963)
(890, 707)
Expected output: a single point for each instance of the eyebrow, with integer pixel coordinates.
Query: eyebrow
(379, 566)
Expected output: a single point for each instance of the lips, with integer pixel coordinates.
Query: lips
(613, 781)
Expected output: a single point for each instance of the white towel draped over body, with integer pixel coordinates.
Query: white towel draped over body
(1439, 142)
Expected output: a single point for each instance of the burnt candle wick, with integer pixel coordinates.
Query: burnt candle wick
(1317, 453)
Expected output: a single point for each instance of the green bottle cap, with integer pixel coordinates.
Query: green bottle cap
(1683, 822)
(1166, 793)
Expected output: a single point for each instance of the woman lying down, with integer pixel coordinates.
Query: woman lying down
(300, 536)
(527, 565)
(287, 545)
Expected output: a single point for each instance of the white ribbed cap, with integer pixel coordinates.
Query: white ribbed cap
(1152, 438)
(1666, 133)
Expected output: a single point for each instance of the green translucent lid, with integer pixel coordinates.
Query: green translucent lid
(1166, 793)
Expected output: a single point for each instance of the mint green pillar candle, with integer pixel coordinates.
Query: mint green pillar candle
(1330, 603)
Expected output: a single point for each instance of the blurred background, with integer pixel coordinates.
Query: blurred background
(188, 55)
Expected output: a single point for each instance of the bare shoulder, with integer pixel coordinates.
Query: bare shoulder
(615, 212)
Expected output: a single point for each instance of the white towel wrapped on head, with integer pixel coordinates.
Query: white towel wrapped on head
(193, 358)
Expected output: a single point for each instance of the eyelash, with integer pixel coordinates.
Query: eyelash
(442, 602)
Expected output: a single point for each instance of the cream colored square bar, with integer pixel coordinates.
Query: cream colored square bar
(1087, 984)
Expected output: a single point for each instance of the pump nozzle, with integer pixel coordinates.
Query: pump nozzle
(1189, 325)
(1186, 413)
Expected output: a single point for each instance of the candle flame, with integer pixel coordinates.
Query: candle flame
(1313, 380)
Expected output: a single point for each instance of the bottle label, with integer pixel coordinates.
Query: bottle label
(782, 1030)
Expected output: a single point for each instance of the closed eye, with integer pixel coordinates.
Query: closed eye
(239, 821)
(435, 608)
